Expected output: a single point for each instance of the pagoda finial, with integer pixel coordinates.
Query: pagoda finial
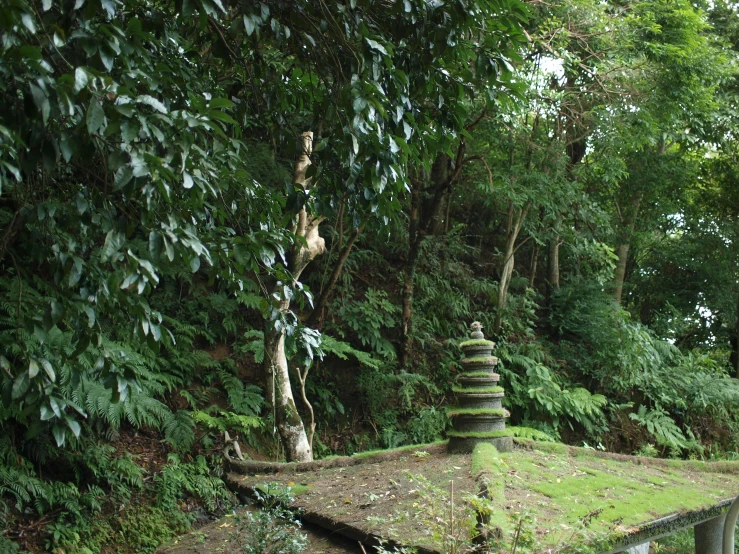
(476, 330)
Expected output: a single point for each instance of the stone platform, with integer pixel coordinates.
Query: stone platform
(562, 497)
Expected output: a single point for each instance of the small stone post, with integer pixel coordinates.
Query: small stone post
(478, 415)
(709, 536)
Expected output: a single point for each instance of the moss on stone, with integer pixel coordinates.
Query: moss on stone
(499, 412)
(477, 342)
(485, 458)
(479, 434)
(480, 360)
(408, 447)
(567, 486)
(478, 390)
(483, 374)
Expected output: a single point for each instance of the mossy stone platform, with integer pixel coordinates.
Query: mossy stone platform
(573, 498)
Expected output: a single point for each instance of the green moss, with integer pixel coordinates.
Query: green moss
(622, 493)
(489, 374)
(706, 467)
(370, 453)
(480, 360)
(531, 434)
(479, 434)
(490, 469)
(477, 342)
(478, 411)
(479, 390)
(485, 458)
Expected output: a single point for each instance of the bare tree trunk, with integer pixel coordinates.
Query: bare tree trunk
(515, 222)
(622, 252)
(534, 263)
(287, 419)
(279, 392)
(553, 264)
(628, 221)
(415, 238)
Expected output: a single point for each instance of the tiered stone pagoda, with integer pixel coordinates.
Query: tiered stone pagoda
(478, 415)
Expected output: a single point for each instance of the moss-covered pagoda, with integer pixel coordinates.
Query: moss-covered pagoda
(478, 415)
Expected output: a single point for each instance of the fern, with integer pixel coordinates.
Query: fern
(179, 430)
(177, 479)
(661, 426)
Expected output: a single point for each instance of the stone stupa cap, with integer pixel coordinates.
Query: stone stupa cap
(476, 327)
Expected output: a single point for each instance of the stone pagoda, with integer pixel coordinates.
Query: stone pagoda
(478, 415)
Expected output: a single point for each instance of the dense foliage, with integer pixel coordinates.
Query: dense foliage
(563, 172)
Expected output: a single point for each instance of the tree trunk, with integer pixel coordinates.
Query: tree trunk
(515, 222)
(628, 225)
(534, 263)
(287, 419)
(415, 238)
(553, 264)
(279, 393)
(622, 251)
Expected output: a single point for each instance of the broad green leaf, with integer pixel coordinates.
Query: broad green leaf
(59, 432)
(48, 369)
(195, 264)
(80, 79)
(42, 102)
(46, 412)
(95, 117)
(33, 368)
(20, 385)
(153, 102)
(74, 426)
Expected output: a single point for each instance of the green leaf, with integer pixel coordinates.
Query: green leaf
(80, 79)
(195, 264)
(249, 25)
(122, 177)
(57, 311)
(153, 102)
(220, 103)
(20, 385)
(74, 426)
(33, 368)
(54, 403)
(95, 116)
(376, 46)
(42, 102)
(59, 434)
(48, 369)
(156, 245)
(46, 413)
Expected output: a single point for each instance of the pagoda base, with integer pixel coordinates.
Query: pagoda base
(463, 445)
